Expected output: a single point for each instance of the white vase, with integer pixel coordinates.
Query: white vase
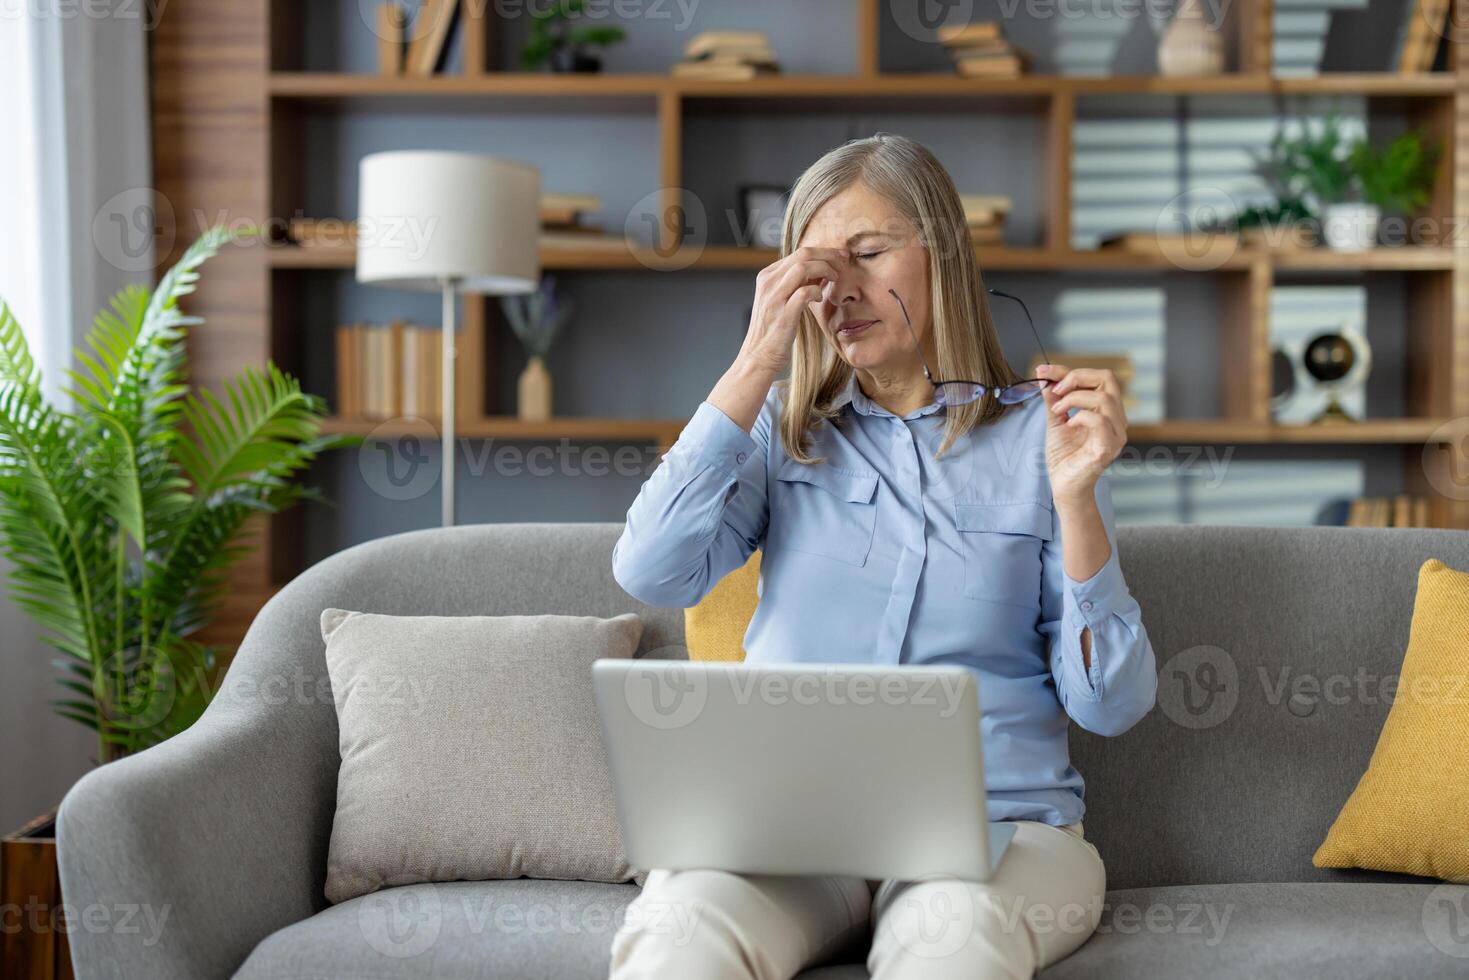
(1188, 45)
(1350, 225)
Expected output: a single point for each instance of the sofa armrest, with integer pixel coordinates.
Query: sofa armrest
(191, 852)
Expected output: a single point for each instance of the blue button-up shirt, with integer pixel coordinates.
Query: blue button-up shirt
(885, 554)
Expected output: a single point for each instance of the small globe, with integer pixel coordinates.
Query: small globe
(1330, 357)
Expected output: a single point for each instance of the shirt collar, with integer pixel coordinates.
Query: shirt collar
(866, 406)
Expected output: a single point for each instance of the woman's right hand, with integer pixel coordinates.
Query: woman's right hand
(783, 289)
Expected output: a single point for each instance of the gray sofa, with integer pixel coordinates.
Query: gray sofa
(1206, 813)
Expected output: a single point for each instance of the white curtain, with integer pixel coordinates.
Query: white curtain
(74, 159)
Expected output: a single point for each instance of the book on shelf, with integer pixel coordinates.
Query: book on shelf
(567, 209)
(722, 72)
(1400, 510)
(706, 43)
(985, 215)
(322, 232)
(1001, 203)
(575, 229)
(1150, 242)
(981, 50)
(349, 399)
(987, 48)
(735, 56)
(1426, 27)
(580, 240)
(392, 24)
(389, 370)
(727, 56)
(976, 32)
(430, 35)
(1003, 66)
(1280, 236)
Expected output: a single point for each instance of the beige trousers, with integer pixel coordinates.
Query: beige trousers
(1044, 901)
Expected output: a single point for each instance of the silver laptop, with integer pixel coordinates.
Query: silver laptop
(798, 768)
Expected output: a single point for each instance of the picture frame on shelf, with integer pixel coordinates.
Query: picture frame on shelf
(762, 208)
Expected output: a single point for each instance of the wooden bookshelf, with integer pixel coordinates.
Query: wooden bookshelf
(652, 431)
(246, 82)
(663, 432)
(1218, 431)
(536, 88)
(1406, 258)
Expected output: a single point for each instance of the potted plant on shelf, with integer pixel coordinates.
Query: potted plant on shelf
(1397, 179)
(120, 527)
(536, 319)
(1351, 183)
(1289, 220)
(554, 38)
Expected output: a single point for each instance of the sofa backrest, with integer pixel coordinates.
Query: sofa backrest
(1277, 649)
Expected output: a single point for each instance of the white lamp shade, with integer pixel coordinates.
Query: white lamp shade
(425, 217)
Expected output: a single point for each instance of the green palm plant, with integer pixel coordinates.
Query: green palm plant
(119, 526)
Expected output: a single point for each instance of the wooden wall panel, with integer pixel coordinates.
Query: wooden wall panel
(209, 61)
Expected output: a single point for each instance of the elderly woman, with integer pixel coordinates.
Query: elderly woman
(905, 517)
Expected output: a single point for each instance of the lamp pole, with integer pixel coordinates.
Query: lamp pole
(450, 287)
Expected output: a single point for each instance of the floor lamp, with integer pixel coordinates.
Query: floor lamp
(451, 223)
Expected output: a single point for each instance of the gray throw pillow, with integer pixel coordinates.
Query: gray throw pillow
(471, 749)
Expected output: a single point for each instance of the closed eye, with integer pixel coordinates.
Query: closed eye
(866, 255)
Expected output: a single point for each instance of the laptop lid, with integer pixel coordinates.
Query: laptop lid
(797, 768)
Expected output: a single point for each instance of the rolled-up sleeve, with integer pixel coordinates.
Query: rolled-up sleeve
(700, 514)
(1120, 687)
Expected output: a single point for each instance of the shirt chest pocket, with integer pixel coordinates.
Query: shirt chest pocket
(823, 510)
(1001, 546)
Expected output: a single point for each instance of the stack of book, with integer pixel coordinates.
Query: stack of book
(323, 232)
(985, 215)
(389, 370)
(564, 224)
(1403, 510)
(727, 56)
(1196, 249)
(980, 50)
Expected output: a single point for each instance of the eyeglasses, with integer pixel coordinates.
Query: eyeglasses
(963, 392)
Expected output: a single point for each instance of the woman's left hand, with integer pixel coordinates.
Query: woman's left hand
(1080, 448)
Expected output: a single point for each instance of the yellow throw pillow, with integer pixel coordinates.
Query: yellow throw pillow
(715, 628)
(1410, 809)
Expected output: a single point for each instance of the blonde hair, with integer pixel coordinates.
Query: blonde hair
(907, 175)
